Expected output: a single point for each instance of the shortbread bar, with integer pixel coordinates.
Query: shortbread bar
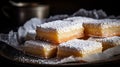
(107, 42)
(60, 31)
(102, 28)
(78, 48)
(40, 49)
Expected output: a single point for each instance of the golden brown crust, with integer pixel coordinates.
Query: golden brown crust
(56, 38)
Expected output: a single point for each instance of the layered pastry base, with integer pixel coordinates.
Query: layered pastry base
(102, 28)
(78, 48)
(107, 42)
(59, 31)
(40, 49)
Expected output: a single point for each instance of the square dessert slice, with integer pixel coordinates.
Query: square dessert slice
(59, 31)
(102, 28)
(107, 42)
(78, 48)
(40, 49)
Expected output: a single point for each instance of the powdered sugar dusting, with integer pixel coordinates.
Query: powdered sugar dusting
(60, 25)
(104, 23)
(80, 19)
(32, 31)
(31, 34)
(81, 45)
(35, 43)
(115, 40)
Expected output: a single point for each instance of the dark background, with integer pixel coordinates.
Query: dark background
(111, 7)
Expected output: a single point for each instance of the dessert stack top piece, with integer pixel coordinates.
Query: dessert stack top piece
(60, 25)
